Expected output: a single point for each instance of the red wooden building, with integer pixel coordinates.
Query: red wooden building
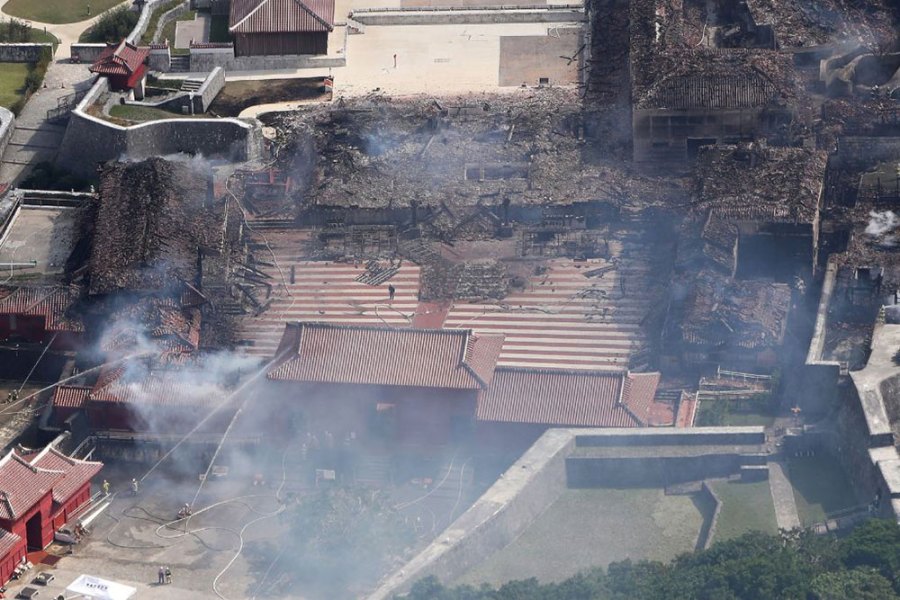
(412, 385)
(40, 314)
(431, 385)
(125, 65)
(38, 494)
(281, 27)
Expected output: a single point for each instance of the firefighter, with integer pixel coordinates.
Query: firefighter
(105, 487)
(135, 486)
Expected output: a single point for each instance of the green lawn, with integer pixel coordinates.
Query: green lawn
(821, 487)
(12, 82)
(594, 527)
(57, 11)
(734, 413)
(745, 507)
(141, 114)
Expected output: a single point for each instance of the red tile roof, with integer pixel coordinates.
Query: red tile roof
(434, 358)
(281, 16)
(120, 59)
(21, 485)
(8, 542)
(568, 397)
(51, 302)
(71, 472)
(70, 396)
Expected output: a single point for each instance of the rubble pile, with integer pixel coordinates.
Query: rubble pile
(152, 220)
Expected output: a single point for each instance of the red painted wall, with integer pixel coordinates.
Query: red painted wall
(45, 507)
(31, 328)
(61, 516)
(9, 561)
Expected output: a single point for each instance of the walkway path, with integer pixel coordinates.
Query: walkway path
(67, 33)
(783, 497)
(34, 139)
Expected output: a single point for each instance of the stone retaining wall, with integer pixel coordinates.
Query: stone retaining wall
(89, 140)
(195, 103)
(529, 487)
(167, 18)
(7, 126)
(23, 53)
(85, 53)
(469, 17)
(206, 59)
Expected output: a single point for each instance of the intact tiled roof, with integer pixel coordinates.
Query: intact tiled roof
(120, 59)
(50, 302)
(277, 16)
(435, 358)
(71, 472)
(568, 398)
(21, 485)
(638, 393)
(70, 396)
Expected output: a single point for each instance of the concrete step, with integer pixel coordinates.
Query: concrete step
(191, 85)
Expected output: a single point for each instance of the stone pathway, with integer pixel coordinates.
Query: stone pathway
(783, 497)
(196, 31)
(35, 139)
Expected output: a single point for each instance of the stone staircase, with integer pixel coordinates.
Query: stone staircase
(180, 63)
(191, 85)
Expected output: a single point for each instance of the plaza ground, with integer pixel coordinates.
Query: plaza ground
(587, 528)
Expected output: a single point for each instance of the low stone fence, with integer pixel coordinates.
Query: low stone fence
(469, 16)
(90, 140)
(193, 103)
(23, 53)
(167, 18)
(85, 53)
(206, 57)
(7, 126)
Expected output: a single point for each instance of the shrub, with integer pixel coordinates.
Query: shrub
(112, 27)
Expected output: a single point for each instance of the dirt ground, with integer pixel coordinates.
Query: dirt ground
(238, 95)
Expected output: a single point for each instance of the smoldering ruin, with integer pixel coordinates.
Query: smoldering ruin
(313, 374)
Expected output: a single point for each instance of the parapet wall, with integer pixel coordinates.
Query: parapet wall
(90, 140)
(7, 126)
(86, 53)
(204, 59)
(531, 485)
(469, 17)
(194, 103)
(23, 53)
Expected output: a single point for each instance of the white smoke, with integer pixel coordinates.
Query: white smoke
(883, 225)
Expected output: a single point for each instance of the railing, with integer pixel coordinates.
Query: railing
(65, 105)
(745, 376)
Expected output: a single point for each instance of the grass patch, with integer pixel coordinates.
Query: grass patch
(736, 413)
(218, 30)
(153, 23)
(12, 83)
(745, 507)
(57, 11)
(821, 487)
(141, 114)
(585, 528)
(169, 84)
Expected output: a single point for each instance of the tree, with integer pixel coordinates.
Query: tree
(860, 584)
